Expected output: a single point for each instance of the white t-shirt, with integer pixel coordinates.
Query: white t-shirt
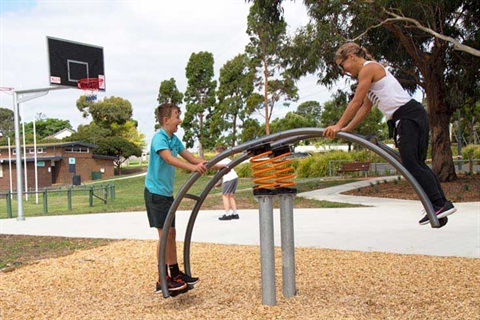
(387, 93)
(230, 175)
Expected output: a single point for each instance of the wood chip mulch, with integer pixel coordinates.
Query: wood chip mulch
(117, 281)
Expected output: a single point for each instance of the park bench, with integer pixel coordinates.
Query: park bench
(355, 167)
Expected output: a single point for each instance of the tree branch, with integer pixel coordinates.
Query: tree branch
(457, 45)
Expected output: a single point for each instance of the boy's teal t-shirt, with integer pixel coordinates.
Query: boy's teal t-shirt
(161, 175)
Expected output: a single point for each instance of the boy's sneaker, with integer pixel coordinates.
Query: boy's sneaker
(235, 216)
(175, 286)
(186, 278)
(225, 217)
(443, 212)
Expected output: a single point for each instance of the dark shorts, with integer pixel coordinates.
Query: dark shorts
(229, 187)
(157, 209)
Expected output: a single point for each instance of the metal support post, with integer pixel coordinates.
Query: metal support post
(18, 163)
(267, 249)
(288, 244)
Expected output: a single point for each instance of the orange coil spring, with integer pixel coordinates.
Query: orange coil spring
(264, 173)
(284, 172)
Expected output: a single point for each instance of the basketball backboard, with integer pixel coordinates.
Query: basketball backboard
(72, 61)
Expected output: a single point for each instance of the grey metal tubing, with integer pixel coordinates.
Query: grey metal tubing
(288, 244)
(284, 137)
(198, 205)
(267, 249)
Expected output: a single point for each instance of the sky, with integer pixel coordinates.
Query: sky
(144, 43)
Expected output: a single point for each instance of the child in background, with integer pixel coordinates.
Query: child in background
(229, 187)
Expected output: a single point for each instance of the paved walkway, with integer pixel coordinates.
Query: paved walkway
(385, 225)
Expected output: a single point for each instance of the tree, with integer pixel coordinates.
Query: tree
(7, 123)
(118, 147)
(112, 128)
(420, 59)
(292, 120)
(168, 93)
(112, 110)
(310, 110)
(45, 127)
(266, 41)
(200, 100)
(236, 85)
(251, 130)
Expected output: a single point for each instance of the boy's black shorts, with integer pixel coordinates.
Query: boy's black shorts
(157, 209)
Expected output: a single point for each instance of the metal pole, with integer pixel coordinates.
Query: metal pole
(35, 159)
(18, 97)
(459, 142)
(25, 169)
(10, 166)
(18, 157)
(288, 244)
(267, 249)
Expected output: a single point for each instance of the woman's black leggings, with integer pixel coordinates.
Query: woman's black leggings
(412, 142)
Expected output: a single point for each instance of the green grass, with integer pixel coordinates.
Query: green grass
(129, 197)
(17, 250)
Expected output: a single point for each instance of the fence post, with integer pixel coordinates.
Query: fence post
(45, 202)
(112, 191)
(91, 197)
(106, 193)
(69, 196)
(9, 204)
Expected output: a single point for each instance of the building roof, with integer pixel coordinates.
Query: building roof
(66, 132)
(56, 144)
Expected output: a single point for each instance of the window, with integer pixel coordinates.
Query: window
(32, 150)
(77, 150)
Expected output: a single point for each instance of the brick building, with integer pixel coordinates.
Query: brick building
(57, 163)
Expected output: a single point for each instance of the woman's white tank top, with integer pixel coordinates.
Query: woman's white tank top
(387, 93)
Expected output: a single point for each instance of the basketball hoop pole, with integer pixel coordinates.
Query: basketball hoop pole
(20, 96)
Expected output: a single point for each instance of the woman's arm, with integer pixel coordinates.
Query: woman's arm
(359, 116)
(365, 79)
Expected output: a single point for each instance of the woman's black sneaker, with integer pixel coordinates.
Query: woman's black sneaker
(225, 217)
(442, 212)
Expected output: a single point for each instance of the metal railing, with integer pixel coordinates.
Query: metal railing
(98, 191)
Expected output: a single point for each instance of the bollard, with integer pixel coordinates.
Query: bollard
(90, 198)
(69, 197)
(45, 201)
(9, 204)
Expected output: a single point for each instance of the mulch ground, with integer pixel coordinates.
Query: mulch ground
(465, 189)
(116, 281)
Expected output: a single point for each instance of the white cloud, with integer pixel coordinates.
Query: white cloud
(145, 42)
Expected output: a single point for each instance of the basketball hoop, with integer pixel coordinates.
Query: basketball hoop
(90, 86)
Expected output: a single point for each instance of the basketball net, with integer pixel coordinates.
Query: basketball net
(90, 86)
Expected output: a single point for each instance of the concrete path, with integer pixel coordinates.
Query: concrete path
(387, 226)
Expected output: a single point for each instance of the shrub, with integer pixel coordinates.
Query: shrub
(244, 170)
(471, 152)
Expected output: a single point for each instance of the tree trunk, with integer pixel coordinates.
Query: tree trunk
(439, 114)
(200, 136)
(265, 99)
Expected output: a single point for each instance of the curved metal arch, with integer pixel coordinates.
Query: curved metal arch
(277, 139)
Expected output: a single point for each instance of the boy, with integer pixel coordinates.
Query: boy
(158, 192)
